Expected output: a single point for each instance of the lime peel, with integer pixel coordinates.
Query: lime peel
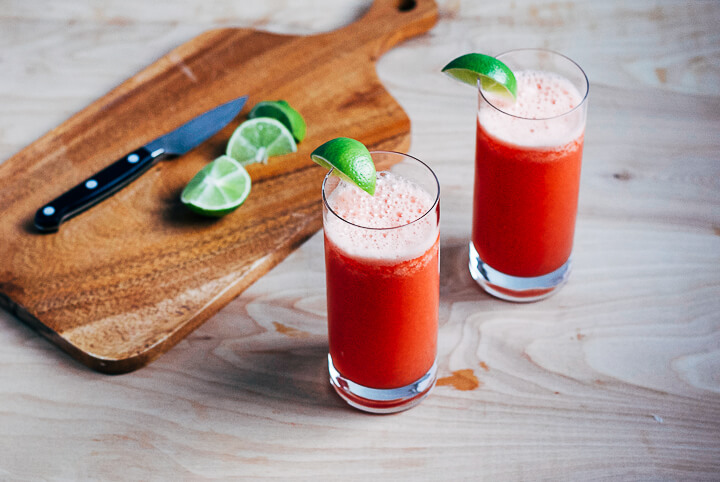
(492, 74)
(350, 160)
(282, 111)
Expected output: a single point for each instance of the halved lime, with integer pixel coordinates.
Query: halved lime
(257, 139)
(218, 188)
(350, 159)
(495, 77)
(281, 110)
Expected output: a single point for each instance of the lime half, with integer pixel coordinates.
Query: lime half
(257, 139)
(281, 111)
(495, 77)
(218, 188)
(350, 159)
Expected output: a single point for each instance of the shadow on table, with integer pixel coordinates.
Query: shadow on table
(296, 375)
(281, 374)
(456, 284)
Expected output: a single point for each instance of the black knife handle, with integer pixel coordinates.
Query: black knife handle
(94, 189)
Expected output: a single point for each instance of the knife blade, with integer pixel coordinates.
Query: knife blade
(129, 167)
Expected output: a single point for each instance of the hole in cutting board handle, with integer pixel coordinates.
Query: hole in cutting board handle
(406, 5)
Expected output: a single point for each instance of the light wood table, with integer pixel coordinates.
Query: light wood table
(617, 376)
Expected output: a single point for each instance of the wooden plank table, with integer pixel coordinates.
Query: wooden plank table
(617, 376)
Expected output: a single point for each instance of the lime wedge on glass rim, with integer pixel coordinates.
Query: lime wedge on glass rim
(219, 188)
(257, 139)
(281, 111)
(495, 77)
(350, 160)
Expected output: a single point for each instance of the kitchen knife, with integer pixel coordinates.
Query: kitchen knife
(123, 171)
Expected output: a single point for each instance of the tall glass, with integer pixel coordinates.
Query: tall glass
(383, 285)
(527, 177)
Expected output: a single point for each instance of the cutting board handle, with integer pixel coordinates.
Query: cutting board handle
(389, 22)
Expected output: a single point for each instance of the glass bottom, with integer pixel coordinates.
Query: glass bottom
(376, 400)
(515, 288)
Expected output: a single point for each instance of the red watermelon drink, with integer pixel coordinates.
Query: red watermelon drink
(527, 177)
(382, 275)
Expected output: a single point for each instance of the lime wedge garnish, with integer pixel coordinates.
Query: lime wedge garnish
(350, 159)
(281, 110)
(218, 188)
(495, 77)
(257, 139)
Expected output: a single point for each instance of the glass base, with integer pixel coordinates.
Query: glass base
(376, 400)
(515, 288)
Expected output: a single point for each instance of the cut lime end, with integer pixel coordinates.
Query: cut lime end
(493, 75)
(256, 140)
(350, 160)
(283, 112)
(218, 188)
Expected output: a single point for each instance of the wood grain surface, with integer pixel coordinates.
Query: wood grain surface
(123, 282)
(614, 378)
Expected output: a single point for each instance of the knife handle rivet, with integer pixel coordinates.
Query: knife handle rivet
(48, 210)
(133, 158)
(91, 184)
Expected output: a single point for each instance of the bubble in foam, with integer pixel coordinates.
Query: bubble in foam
(393, 214)
(541, 96)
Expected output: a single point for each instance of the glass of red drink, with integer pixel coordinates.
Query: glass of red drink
(527, 177)
(383, 285)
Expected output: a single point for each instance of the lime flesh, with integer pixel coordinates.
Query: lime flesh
(255, 140)
(219, 188)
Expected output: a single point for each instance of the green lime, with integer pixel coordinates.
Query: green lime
(281, 110)
(257, 139)
(495, 77)
(350, 160)
(218, 188)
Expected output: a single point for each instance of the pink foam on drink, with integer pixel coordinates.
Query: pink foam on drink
(541, 96)
(395, 213)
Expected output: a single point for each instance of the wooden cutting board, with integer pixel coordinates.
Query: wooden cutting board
(124, 281)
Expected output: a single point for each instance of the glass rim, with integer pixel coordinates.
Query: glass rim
(422, 216)
(580, 104)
